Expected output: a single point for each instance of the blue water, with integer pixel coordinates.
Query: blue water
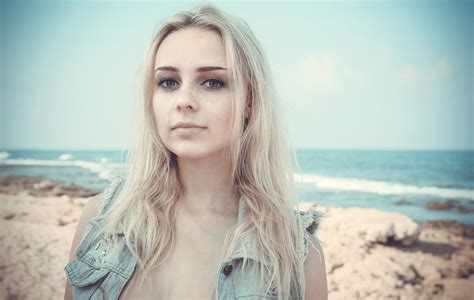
(344, 178)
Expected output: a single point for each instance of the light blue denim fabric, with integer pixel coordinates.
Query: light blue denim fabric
(101, 271)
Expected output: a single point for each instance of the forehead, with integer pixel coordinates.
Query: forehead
(190, 48)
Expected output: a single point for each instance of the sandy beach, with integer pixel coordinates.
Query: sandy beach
(369, 254)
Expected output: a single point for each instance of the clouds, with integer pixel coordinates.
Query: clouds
(386, 97)
(328, 73)
(325, 73)
(415, 74)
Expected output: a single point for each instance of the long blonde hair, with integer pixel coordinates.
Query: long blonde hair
(258, 153)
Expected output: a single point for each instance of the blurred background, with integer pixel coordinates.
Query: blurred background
(378, 97)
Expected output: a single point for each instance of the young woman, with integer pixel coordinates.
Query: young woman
(207, 207)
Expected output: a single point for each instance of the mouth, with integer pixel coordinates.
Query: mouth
(183, 125)
(188, 128)
(188, 132)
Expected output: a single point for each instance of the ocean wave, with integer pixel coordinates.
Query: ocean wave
(66, 156)
(104, 170)
(4, 155)
(380, 187)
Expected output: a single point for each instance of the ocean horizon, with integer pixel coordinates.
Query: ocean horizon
(401, 181)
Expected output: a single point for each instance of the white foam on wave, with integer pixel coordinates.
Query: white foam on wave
(103, 170)
(380, 187)
(4, 155)
(65, 156)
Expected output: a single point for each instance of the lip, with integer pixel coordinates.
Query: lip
(186, 125)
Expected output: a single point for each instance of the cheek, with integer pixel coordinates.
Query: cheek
(160, 116)
(225, 118)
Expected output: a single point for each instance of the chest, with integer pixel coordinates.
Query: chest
(191, 270)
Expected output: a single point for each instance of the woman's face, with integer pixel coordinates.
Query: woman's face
(192, 87)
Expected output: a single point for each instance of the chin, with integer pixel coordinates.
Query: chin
(195, 153)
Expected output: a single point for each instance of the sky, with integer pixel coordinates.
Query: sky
(381, 75)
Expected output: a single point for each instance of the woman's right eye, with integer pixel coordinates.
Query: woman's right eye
(168, 83)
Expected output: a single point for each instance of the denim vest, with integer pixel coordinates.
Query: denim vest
(100, 271)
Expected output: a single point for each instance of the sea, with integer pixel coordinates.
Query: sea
(380, 179)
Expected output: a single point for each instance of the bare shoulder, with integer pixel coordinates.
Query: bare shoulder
(88, 212)
(92, 206)
(315, 271)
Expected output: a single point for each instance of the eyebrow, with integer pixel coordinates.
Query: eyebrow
(200, 69)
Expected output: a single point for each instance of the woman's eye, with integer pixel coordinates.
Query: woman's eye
(213, 83)
(168, 83)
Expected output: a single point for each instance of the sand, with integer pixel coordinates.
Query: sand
(369, 254)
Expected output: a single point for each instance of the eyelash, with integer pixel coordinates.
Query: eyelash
(215, 80)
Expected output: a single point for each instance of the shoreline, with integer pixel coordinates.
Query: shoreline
(368, 253)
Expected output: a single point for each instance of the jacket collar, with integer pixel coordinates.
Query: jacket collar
(246, 248)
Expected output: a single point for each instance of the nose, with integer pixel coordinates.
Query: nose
(186, 100)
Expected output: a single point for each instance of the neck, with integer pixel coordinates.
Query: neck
(208, 187)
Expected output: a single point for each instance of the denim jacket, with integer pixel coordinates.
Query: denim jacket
(101, 271)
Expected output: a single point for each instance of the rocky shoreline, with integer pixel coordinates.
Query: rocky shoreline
(369, 254)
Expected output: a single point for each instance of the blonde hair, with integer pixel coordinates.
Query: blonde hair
(258, 153)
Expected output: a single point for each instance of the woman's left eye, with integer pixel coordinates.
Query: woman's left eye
(213, 83)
